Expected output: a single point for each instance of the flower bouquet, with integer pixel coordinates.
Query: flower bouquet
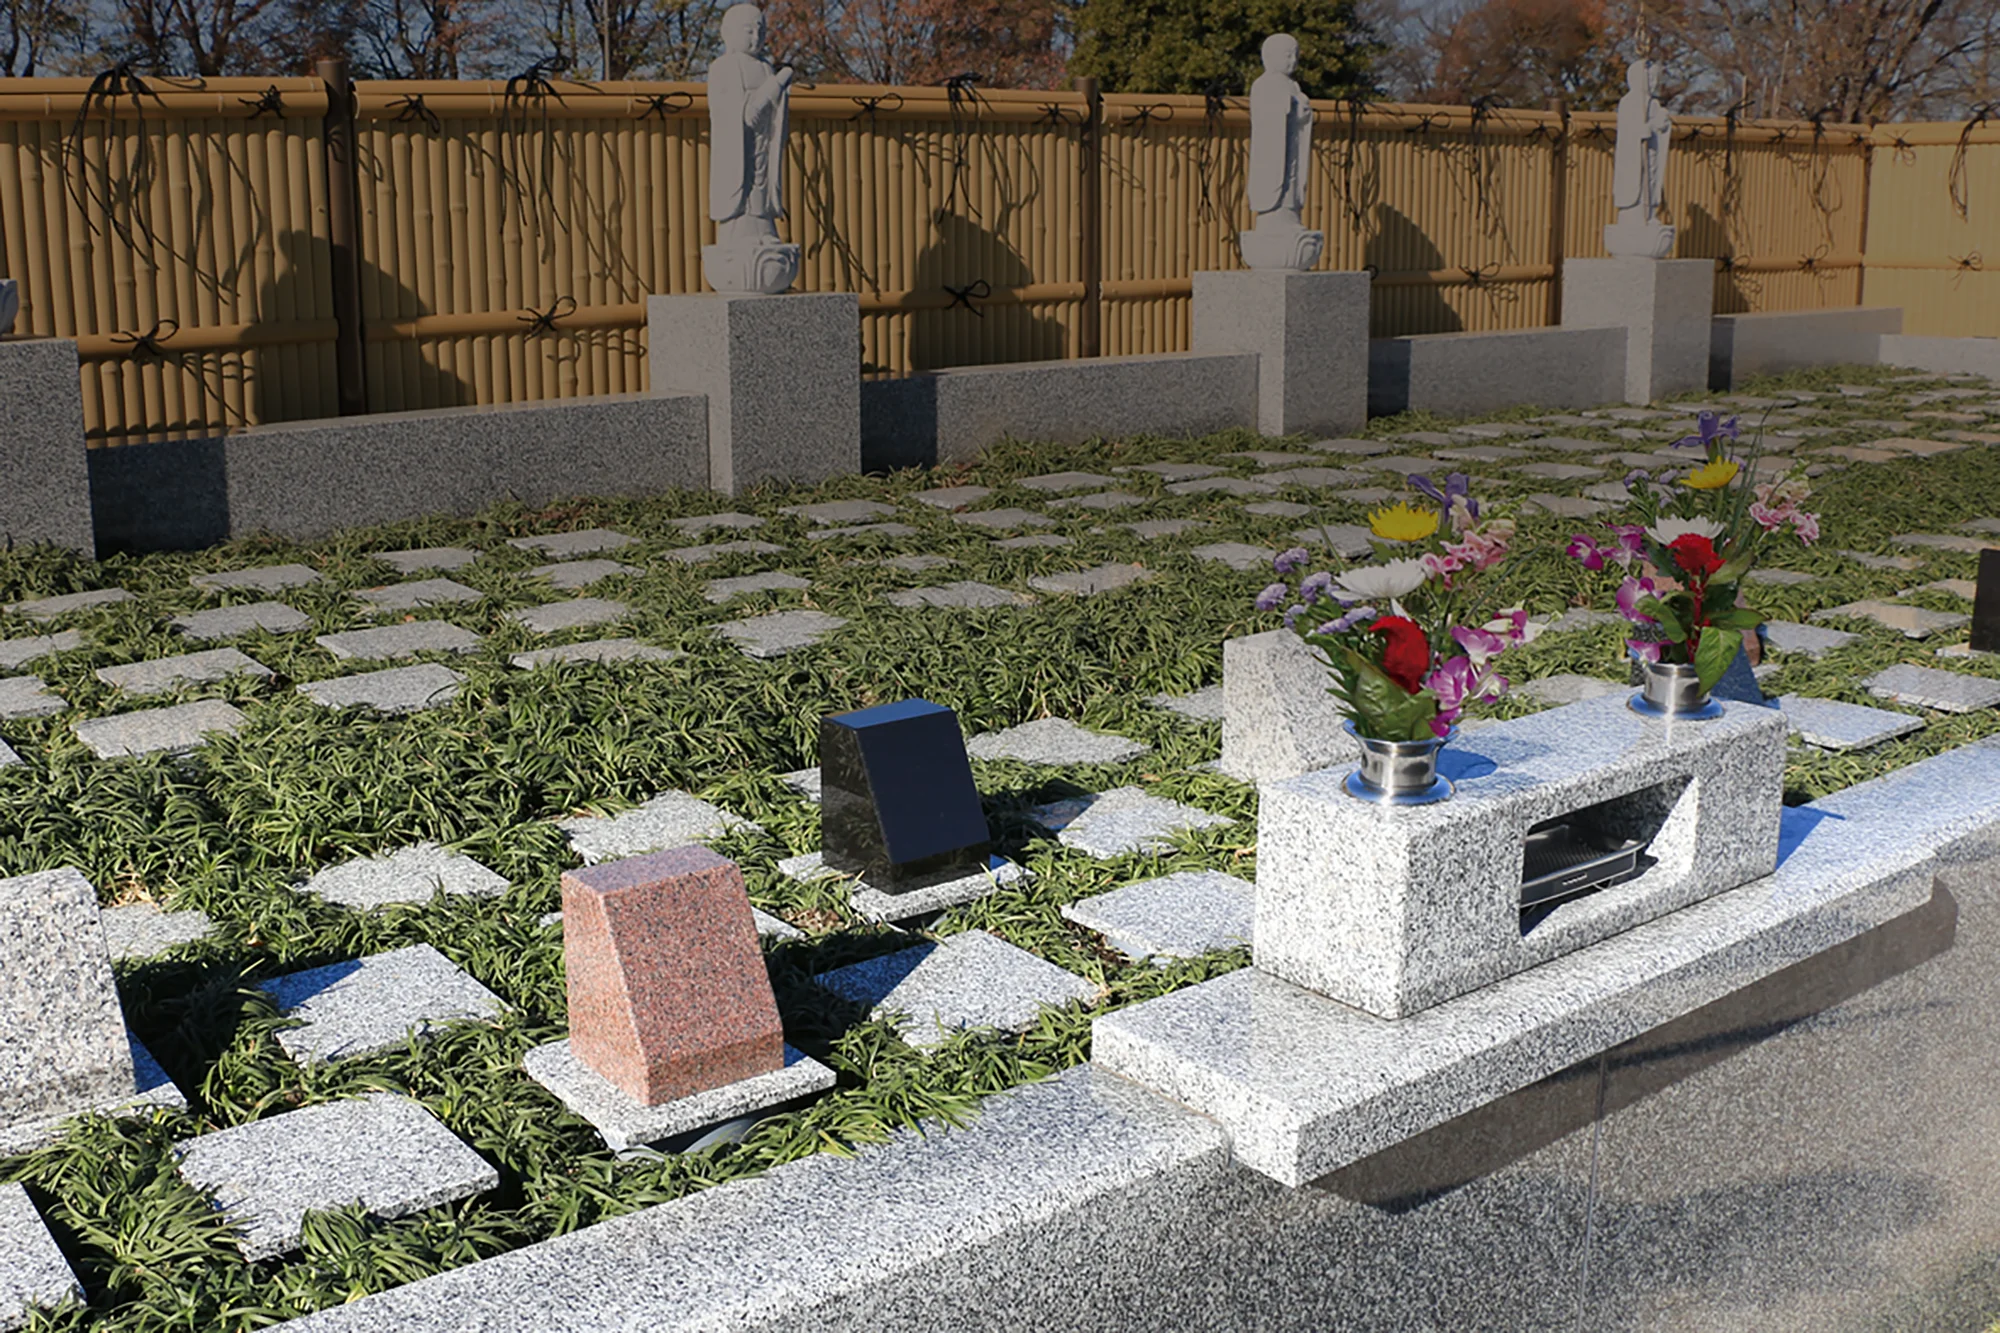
(1694, 536)
(1407, 654)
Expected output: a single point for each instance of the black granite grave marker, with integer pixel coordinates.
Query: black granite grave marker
(897, 804)
(1986, 604)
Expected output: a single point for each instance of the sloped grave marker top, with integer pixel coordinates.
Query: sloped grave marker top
(897, 802)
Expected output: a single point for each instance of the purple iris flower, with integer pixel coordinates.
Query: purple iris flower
(1316, 586)
(1292, 614)
(1712, 428)
(1347, 622)
(1456, 486)
(1290, 560)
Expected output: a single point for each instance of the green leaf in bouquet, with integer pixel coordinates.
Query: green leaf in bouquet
(1714, 654)
(1673, 624)
(1384, 711)
(1736, 618)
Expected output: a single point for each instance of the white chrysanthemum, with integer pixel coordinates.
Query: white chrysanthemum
(1381, 583)
(1668, 530)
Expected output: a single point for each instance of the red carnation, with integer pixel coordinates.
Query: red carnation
(1695, 554)
(1407, 655)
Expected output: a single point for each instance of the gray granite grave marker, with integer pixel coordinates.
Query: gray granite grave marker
(1986, 605)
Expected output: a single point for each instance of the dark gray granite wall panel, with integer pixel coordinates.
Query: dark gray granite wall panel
(1464, 374)
(1773, 341)
(44, 481)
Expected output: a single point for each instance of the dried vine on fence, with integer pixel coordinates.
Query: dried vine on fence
(1955, 182)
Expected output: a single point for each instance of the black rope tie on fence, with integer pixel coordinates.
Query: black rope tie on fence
(1055, 113)
(270, 102)
(544, 321)
(1426, 122)
(1811, 263)
(979, 289)
(1214, 103)
(1141, 115)
(150, 342)
(412, 108)
(871, 106)
(531, 88)
(961, 94)
(1964, 264)
(102, 95)
(1482, 109)
(1353, 202)
(1597, 129)
(1955, 183)
(664, 105)
(1906, 152)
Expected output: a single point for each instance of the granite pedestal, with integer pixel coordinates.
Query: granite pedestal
(1664, 306)
(1278, 720)
(44, 471)
(1310, 334)
(782, 375)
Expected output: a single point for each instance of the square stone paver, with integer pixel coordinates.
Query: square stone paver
(1912, 621)
(1367, 495)
(602, 651)
(407, 689)
(1090, 582)
(17, 653)
(382, 1151)
(1566, 506)
(1268, 458)
(374, 1004)
(671, 819)
(165, 673)
(779, 633)
(998, 519)
(1099, 500)
(265, 578)
(872, 904)
(1963, 589)
(1054, 740)
(28, 696)
(721, 590)
(1558, 471)
(1426, 437)
(696, 555)
(1919, 448)
(48, 608)
(1942, 541)
(1778, 577)
(1498, 430)
(961, 594)
(628, 1125)
(417, 559)
(1347, 540)
(576, 613)
(1183, 915)
(1482, 453)
(970, 980)
(1121, 821)
(1828, 724)
(1901, 563)
(1928, 687)
(7, 756)
(1173, 471)
(1223, 486)
(570, 575)
(862, 530)
(33, 1272)
(407, 639)
(1812, 640)
(1352, 448)
(1203, 705)
(1237, 555)
(952, 497)
(918, 564)
(1406, 465)
(696, 524)
(1278, 509)
(1153, 528)
(567, 545)
(142, 930)
(805, 782)
(1319, 476)
(835, 512)
(229, 622)
(418, 592)
(414, 874)
(182, 727)
(1033, 541)
(1065, 481)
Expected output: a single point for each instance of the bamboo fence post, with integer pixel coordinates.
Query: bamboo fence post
(343, 186)
(1558, 205)
(1090, 202)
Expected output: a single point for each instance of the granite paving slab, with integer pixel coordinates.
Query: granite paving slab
(804, 781)
(48, 608)
(413, 874)
(1318, 476)
(696, 524)
(576, 613)
(1581, 618)
(1928, 687)
(1090, 582)
(165, 673)
(1173, 471)
(1903, 444)
(1828, 724)
(1099, 500)
(721, 590)
(1785, 636)
(964, 593)
(1938, 541)
(382, 1151)
(1120, 822)
(671, 819)
(1558, 471)
(862, 530)
(417, 559)
(695, 555)
(17, 653)
(1054, 741)
(1223, 486)
(1964, 589)
(1406, 465)
(1425, 437)
(970, 980)
(405, 639)
(1065, 481)
(7, 756)
(779, 633)
(1902, 563)
(1183, 915)
(1856, 454)
(571, 575)
(1269, 458)
(602, 651)
(1566, 506)
(1498, 430)
(1347, 540)
(1033, 541)
(142, 930)
(1780, 577)
(407, 689)
(917, 564)
(1277, 509)
(375, 1004)
(229, 622)
(1568, 444)
(1152, 528)
(28, 696)
(265, 578)
(836, 512)
(181, 727)
(1481, 453)
(419, 592)
(1611, 492)
(1005, 517)
(1351, 448)
(1367, 495)
(951, 497)
(625, 1123)
(1912, 621)
(1570, 688)
(1237, 555)
(568, 545)
(33, 1272)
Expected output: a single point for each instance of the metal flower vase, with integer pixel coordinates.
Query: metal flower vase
(1398, 772)
(1672, 690)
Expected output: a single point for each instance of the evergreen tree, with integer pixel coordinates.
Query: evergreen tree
(1192, 46)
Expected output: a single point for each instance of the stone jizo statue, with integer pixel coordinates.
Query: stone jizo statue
(1281, 121)
(1639, 169)
(747, 117)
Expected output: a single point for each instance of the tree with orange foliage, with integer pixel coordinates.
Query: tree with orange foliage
(1518, 53)
(1002, 43)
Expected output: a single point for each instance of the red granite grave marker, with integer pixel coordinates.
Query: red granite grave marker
(668, 995)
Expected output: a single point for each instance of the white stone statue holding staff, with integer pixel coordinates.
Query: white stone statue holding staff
(748, 115)
(1281, 121)
(1639, 169)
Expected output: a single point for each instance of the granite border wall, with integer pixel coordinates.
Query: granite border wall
(1772, 342)
(1463, 374)
(1945, 356)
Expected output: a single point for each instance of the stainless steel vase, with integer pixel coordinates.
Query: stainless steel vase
(1398, 772)
(1673, 690)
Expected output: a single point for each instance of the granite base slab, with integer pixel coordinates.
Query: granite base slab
(142, 930)
(968, 980)
(33, 1272)
(873, 904)
(387, 1153)
(413, 874)
(375, 1004)
(1053, 741)
(1183, 915)
(409, 689)
(671, 819)
(151, 1090)
(153, 730)
(1121, 822)
(1305, 1085)
(1829, 724)
(624, 1123)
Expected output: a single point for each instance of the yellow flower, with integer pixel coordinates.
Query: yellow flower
(1401, 523)
(1713, 475)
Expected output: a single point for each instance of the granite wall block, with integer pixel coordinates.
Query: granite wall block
(1309, 332)
(1944, 356)
(63, 1044)
(1773, 341)
(1464, 374)
(44, 472)
(1278, 720)
(1664, 305)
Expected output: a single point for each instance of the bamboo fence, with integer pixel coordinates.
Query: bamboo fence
(505, 236)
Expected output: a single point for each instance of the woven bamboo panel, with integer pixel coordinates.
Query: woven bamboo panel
(1942, 267)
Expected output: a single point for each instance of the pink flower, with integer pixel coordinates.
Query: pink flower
(1631, 541)
(1629, 593)
(1644, 651)
(1458, 683)
(1807, 526)
(1585, 551)
(1481, 645)
(1485, 548)
(1441, 566)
